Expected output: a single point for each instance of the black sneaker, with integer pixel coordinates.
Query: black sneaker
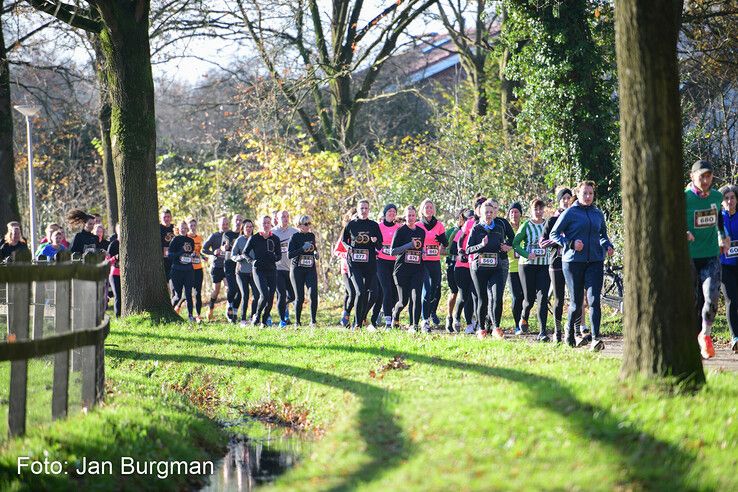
(597, 345)
(734, 346)
(542, 337)
(570, 339)
(558, 336)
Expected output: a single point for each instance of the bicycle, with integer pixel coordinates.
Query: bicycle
(612, 287)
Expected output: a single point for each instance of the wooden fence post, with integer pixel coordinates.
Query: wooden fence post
(60, 391)
(90, 355)
(18, 319)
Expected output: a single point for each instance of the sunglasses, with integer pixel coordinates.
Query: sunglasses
(307, 223)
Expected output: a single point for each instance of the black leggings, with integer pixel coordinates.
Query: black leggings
(183, 279)
(490, 286)
(387, 283)
(516, 293)
(301, 278)
(409, 286)
(559, 283)
(197, 289)
(535, 282)
(464, 298)
(285, 294)
(350, 294)
(234, 293)
(245, 283)
(431, 288)
(266, 284)
(117, 295)
(365, 285)
(377, 299)
(729, 280)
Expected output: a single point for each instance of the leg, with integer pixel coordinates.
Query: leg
(729, 281)
(362, 296)
(243, 286)
(282, 293)
(403, 296)
(543, 282)
(254, 294)
(416, 289)
(189, 280)
(262, 285)
(197, 290)
(271, 281)
(497, 286)
(115, 282)
(297, 276)
(311, 281)
(516, 295)
(528, 283)
(480, 279)
(710, 278)
(574, 275)
(557, 279)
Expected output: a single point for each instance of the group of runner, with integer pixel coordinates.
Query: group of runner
(394, 264)
(397, 262)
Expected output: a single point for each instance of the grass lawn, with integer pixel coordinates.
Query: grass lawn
(464, 414)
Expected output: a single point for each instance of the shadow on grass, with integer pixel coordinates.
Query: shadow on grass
(648, 461)
(380, 431)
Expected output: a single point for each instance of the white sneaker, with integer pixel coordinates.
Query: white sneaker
(425, 326)
(412, 329)
(470, 330)
(371, 328)
(244, 323)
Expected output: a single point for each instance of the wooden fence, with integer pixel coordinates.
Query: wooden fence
(77, 302)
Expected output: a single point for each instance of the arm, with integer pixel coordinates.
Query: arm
(207, 248)
(558, 231)
(441, 237)
(237, 251)
(293, 248)
(475, 240)
(604, 240)
(396, 249)
(519, 239)
(175, 249)
(377, 237)
(722, 232)
(509, 233)
(346, 237)
(277, 248)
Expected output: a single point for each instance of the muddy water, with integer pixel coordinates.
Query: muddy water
(257, 454)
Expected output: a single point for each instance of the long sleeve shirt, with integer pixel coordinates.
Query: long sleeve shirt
(586, 224)
(357, 235)
(489, 255)
(180, 252)
(301, 250)
(266, 251)
(407, 246)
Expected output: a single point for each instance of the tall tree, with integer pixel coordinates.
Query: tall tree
(123, 27)
(8, 195)
(472, 24)
(331, 49)
(508, 108)
(659, 318)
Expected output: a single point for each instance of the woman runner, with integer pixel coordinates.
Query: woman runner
(303, 254)
(555, 272)
(84, 240)
(407, 246)
(489, 242)
(729, 263)
(386, 262)
(362, 239)
(264, 247)
(181, 252)
(451, 254)
(435, 237)
(582, 232)
(513, 277)
(245, 272)
(534, 261)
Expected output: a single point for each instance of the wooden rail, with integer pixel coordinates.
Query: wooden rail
(79, 328)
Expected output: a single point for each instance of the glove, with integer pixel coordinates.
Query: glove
(441, 238)
(306, 246)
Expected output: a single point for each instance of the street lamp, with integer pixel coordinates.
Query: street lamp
(29, 111)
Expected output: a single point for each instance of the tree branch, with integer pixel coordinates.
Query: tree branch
(70, 14)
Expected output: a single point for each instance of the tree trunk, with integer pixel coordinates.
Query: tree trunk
(103, 118)
(125, 46)
(660, 339)
(8, 196)
(508, 110)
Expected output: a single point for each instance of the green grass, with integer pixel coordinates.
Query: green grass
(136, 420)
(466, 414)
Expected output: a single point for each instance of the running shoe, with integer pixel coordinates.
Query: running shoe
(522, 327)
(597, 345)
(570, 339)
(450, 326)
(282, 324)
(734, 345)
(559, 337)
(313, 324)
(707, 349)
(435, 320)
(412, 329)
(192, 319)
(371, 328)
(268, 321)
(518, 331)
(469, 330)
(584, 340)
(498, 333)
(344, 320)
(481, 334)
(425, 326)
(198, 319)
(542, 337)
(244, 322)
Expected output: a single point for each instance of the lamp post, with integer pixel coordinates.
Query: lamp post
(29, 111)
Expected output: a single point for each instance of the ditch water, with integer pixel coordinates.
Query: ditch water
(257, 455)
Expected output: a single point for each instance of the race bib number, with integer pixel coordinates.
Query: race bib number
(488, 260)
(539, 251)
(185, 260)
(196, 260)
(412, 256)
(733, 250)
(91, 248)
(431, 250)
(386, 249)
(360, 256)
(306, 261)
(705, 218)
(284, 247)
